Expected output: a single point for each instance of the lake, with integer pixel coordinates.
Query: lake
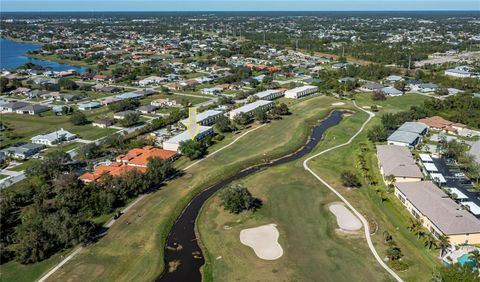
(12, 55)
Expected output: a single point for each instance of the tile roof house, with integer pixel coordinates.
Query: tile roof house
(439, 123)
(398, 161)
(438, 212)
(136, 159)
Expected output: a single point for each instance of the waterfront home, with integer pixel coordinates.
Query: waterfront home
(173, 144)
(398, 162)
(302, 91)
(438, 213)
(53, 138)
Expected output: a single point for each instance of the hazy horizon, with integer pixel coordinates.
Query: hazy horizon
(236, 6)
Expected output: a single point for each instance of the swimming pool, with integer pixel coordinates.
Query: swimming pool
(464, 259)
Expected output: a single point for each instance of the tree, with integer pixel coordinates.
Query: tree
(89, 151)
(158, 170)
(124, 105)
(456, 272)
(430, 241)
(130, 119)
(475, 257)
(349, 179)
(378, 96)
(78, 118)
(237, 199)
(261, 117)
(394, 253)
(223, 124)
(66, 83)
(400, 85)
(4, 84)
(242, 119)
(441, 91)
(377, 134)
(192, 149)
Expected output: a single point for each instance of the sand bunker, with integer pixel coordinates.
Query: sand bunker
(263, 240)
(338, 104)
(346, 220)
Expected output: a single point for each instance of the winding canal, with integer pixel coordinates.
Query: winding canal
(182, 250)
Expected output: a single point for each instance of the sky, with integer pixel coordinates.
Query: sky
(235, 5)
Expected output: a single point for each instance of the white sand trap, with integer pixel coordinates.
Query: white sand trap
(366, 107)
(338, 104)
(346, 220)
(263, 240)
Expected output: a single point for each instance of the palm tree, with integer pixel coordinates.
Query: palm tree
(387, 237)
(418, 230)
(443, 244)
(430, 241)
(413, 225)
(475, 256)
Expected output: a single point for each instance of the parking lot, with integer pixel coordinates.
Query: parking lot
(456, 179)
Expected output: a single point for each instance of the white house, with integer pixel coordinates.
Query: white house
(269, 94)
(163, 103)
(302, 91)
(207, 117)
(173, 143)
(251, 108)
(53, 138)
(152, 80)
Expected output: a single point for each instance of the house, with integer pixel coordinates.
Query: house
(454, 91)
(251, 108)
(271, 94)
(173, 143)
(302, 91)
(145, 92)
(211, 91)
(163, 103)
(391, 91)
(136, 159)
(427, 87)
(414, 127)
(32, 109)
(53, 138)
(89, 106)
(147, 109)
(103, 123)
(347, 79)
(372, 86)
(23, 152)
(404, 138)
(122, 115)
(438, 213)
(11, 107)
(439, 123)
(207, 117)
(152, 80)
(398, 162)
(129, 95)
(393, 78)
(107, 89)
(109, 100)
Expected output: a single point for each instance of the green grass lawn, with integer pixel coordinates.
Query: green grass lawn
(134, 251)
(2, 176)
(391, 104)
(23, 127)
(25, 165)
(178, 98)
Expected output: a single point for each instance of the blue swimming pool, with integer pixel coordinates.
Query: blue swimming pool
(464, 259)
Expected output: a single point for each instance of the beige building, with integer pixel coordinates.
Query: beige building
(438, 213)
(398, 161)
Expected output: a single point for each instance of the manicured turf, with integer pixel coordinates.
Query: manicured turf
(391, 104)
(132, 252)
(297, 204)
(23, 127)
(2, 176)
(178, 98)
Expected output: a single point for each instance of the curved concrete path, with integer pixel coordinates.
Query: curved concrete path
(112, 221)
(359, 215)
